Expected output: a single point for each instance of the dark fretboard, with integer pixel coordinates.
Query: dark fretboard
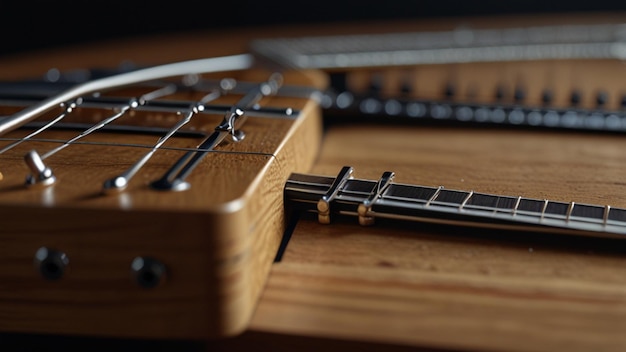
(370, 199)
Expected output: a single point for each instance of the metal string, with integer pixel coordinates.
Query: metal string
(199, 66)
(133, 103)
(39, 130)
(119, 183)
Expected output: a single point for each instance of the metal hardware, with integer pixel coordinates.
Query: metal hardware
(50, 263)
(41, 174)
(174, 178)
(364, 208)
(323, 205)
(147, 272)
(215, 64)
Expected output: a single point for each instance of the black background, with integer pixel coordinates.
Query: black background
(27, 25)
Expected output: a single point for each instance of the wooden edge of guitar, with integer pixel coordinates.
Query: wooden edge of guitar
(207, 266)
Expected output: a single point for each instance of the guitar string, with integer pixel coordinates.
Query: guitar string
(132, 104)
(202, 84)
(144, 146)
(71, 107)
(228, 125)
(403, 198)
(174, 178)
(39, 130)
(119, 182)
(214, 64)
(408, 201)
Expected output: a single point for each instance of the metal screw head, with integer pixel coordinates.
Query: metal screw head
(50, 263)
(147, 272)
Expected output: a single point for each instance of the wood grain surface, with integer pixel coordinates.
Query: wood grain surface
(454, 288)
(392, 286)
(217, 240)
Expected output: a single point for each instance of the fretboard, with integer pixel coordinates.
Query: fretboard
(383, 198)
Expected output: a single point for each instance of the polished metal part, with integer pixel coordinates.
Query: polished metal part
(467, 198)
(90, 130)
(120, 182)
(215, 64)
(47, 125)
(461, 45)
(35, 162)
(148, 272)
(434, 196)
(41, 175)
(174, 178)
(424, 204)
(50, 263)
(364, 208)
(323, 205)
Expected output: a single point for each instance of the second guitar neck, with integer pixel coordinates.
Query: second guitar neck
(371, 199)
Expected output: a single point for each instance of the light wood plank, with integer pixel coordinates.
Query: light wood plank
(451, 288)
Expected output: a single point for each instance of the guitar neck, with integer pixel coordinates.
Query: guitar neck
(519, 76)
(371, 199)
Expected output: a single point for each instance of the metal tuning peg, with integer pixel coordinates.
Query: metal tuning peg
(41, 174)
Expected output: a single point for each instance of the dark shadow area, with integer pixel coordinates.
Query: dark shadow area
(27, 25)
(248, 341)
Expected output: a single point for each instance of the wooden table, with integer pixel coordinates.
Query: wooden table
(399, 286)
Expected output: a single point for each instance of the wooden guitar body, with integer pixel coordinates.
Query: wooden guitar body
(215, 241)
(389, 286)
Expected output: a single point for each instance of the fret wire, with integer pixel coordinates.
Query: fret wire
(439, 214)
(323, 205)
(335, 187)
(466, 199)
(495, 207)
(569, 211)
(347, 195)
(434, 196)
(519, 199)
(381, 186)
(392, 209)
(605, 217)
(412, 199)
(537, 214)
